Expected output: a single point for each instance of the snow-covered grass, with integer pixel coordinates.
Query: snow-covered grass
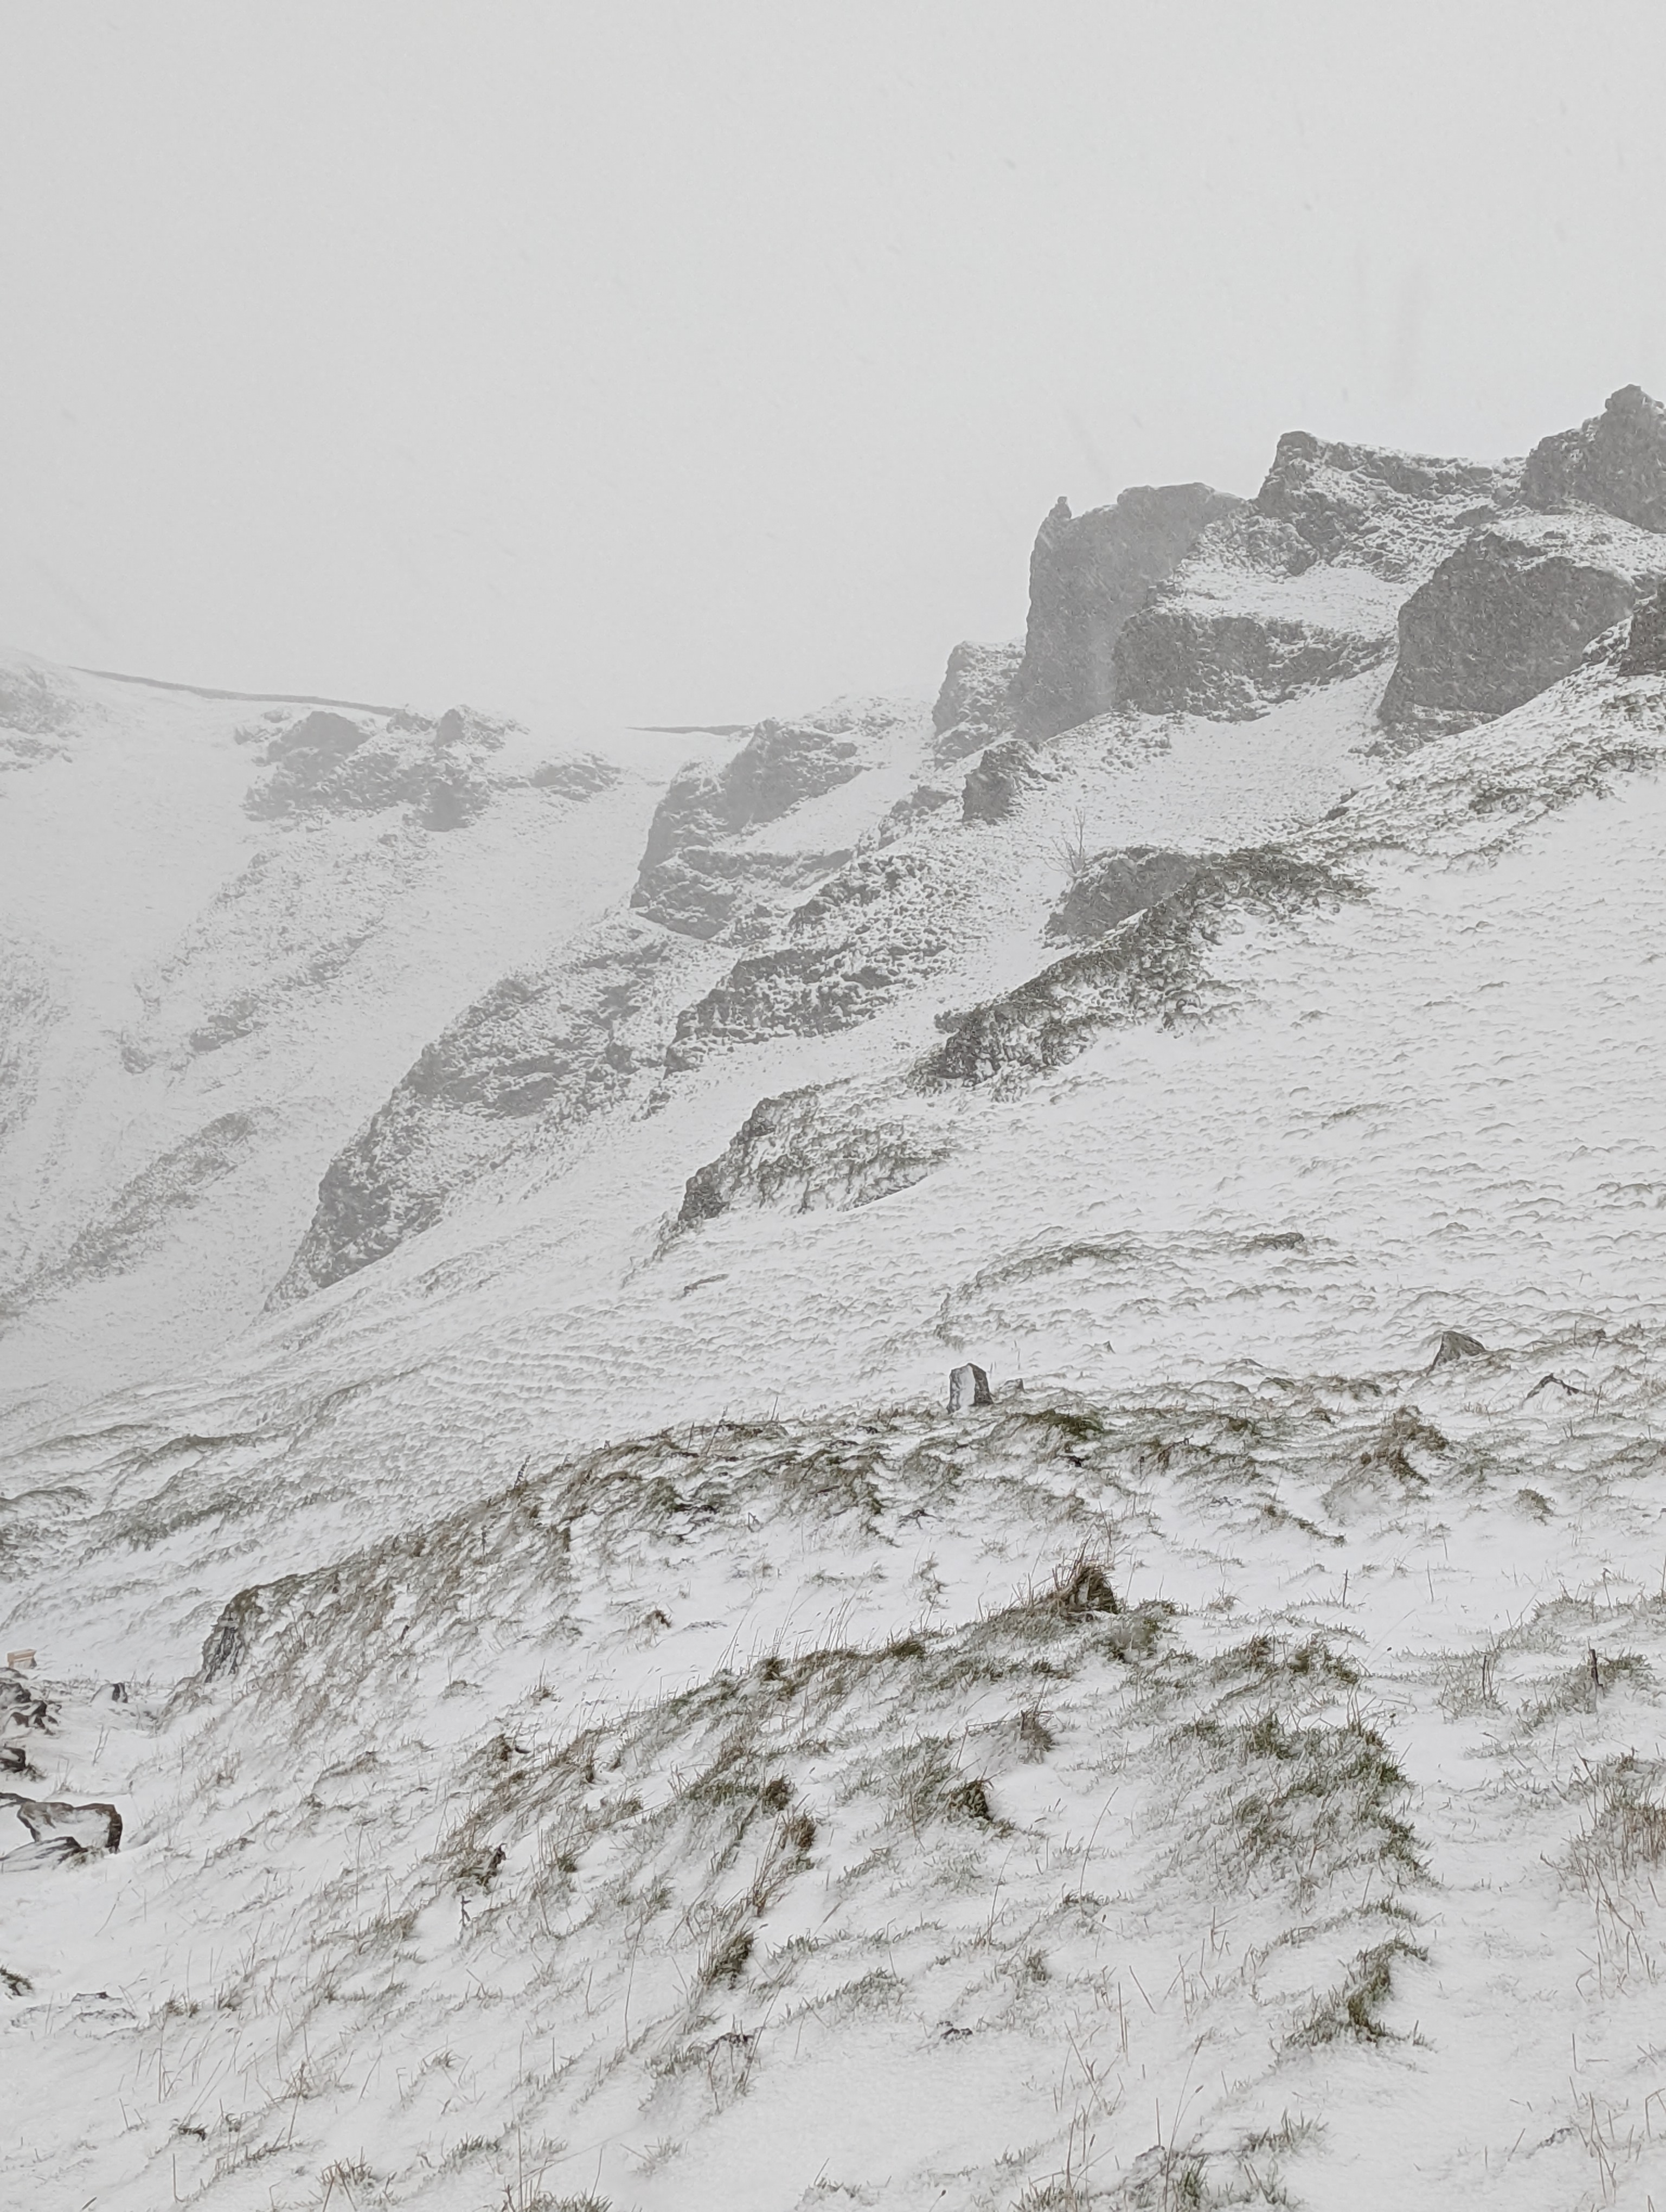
(1164, 1799)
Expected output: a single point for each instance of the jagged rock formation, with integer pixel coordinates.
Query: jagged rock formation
(1645, 645)
(1507, 615)
(1088, 574)
(1387, 511)
(557, 1045)
(1151, 970)
(1616, 460)
(996, 784)
(550, 1048)
(690, 879)
(973, 707)
(1115, 886)
(1302, 588)
(806, 1150)
(328, 763)
(876, 926)
(1231, 667)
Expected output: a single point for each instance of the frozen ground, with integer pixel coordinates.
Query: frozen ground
(660, 1759)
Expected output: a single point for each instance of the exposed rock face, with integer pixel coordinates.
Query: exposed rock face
(808, 1151)
(581, 775)
(1303, 587)
(1154, 971)
(686, 881)
(1115, 886)
(1378, 508)
(1088, 574)
(29, 1008)
(1616, 461)
(328, 763)
(548, 1048)
(973, 707)
(556, 1046)
(1494, 624)
(1180, 659)
(998, 781)
(876, 927)
(1645, 647)
(34, 701)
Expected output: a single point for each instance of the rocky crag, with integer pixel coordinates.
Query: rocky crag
(821, 874)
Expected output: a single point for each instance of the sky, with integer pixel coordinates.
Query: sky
(696, 362)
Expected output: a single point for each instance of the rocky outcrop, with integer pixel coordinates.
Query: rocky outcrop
(687, 880)
(29, 1008)
(969, 1387)
(1154, 971)
(1302, 587)
(1616, 461)
(37, 712)
(94, 1828)
(550, 1048)
(1176, 659)
(1646, 646)
(1380, 509)
(578, 776)
(1115, 886)
(327, 763)
(878, 927)
(996, 784)
(973, 707)
(810, 1149)
(1498, 621)
(1088, 574)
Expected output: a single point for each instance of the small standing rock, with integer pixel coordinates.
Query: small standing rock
(1454, 1345)
(968, 1386)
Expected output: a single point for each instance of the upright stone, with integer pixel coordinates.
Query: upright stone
(1088, 574)
(968, 1386)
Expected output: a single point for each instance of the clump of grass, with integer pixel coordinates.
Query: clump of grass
(728, 1958)
(1625, 1831)
(1302, 1802)
(1353, 2012)
(1035, 1738)
(970, 1800)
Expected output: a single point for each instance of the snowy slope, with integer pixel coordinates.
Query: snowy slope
(593, 1730)
(214, 993)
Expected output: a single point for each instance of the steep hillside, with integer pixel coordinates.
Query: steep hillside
(588, 1726)
(225, 928)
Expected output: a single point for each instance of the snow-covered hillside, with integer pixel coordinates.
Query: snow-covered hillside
(487, 1235)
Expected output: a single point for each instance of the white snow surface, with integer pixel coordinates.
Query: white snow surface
(668, 1763)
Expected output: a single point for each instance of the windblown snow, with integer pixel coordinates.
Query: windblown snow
(518, 1693)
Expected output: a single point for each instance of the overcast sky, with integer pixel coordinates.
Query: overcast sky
(703, 361)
